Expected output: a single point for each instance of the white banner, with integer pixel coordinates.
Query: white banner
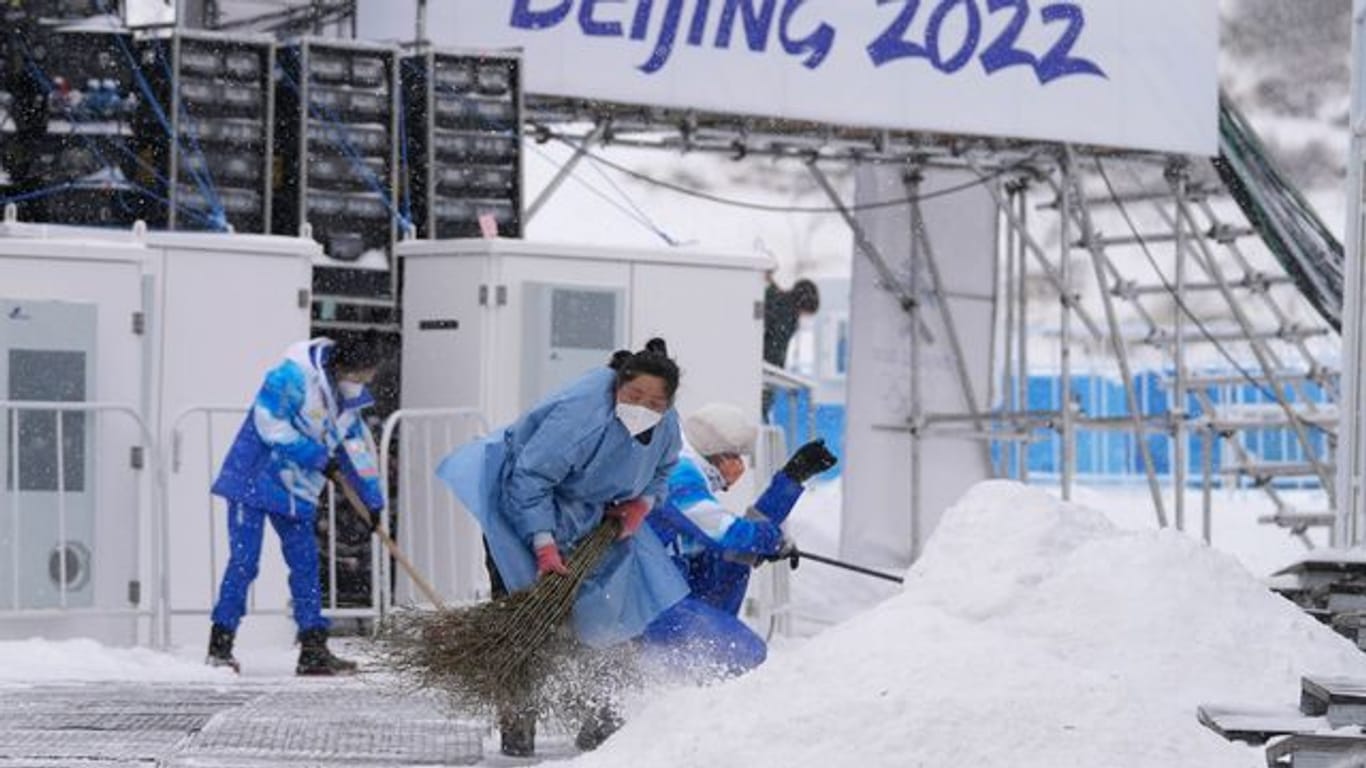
(1124, 73)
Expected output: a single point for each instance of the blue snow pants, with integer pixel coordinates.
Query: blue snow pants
(693, 635)
(246, 527)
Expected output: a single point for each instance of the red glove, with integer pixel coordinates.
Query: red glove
(548, 560)
(631, 514)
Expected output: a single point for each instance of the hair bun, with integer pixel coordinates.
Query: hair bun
(657, 346)
(619, 359)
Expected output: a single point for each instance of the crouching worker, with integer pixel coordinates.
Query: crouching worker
(715, 549)
(304, 426)
(603, 446)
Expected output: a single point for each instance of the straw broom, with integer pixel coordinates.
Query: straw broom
(497, 654)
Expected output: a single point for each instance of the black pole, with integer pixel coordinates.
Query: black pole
(851, 567)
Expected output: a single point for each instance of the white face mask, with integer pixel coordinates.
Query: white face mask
(637, 418)
(350, 390)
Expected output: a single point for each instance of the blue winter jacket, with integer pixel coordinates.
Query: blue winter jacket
(295, 425)
(557, 469)
(704, 537)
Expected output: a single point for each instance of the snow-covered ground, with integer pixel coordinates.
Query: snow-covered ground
(1031, 633)
(25, 662)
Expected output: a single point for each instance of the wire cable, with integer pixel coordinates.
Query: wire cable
(607, 199)
(771, 208)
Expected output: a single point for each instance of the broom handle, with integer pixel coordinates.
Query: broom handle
(360, 509)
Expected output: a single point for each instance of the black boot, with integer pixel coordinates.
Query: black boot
(517, 733)
(600, 724)
(220, 649)
(316, 659)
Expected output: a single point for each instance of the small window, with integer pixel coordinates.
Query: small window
(46, 376)
(583, 319)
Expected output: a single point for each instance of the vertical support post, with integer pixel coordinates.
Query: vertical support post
(1207, 486)
(427, 497)
(1022, 378)
(1348, 528)
(332, 546)
(1065, 342)
(926, 253)
(1009, 404)
(214, 572)
(14, 495)
(61, 509)
(917, 389)
(1178, 410)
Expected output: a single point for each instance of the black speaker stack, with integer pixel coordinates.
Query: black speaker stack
(356, 144)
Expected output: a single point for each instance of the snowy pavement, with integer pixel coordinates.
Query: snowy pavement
(284, 722)
(1032, 633)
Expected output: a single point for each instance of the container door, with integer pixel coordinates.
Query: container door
(47, 351)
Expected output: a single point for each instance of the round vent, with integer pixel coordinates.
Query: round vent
(77, 566)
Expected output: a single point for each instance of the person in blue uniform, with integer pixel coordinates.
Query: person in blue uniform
(602, 446)
(716, 549)
(304, 425)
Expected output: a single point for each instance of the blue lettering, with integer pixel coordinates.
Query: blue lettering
(525, 18)
(641, 24)
(668, 33)
(817, 44)
(757, 23)
(594, 27)
(698, 31)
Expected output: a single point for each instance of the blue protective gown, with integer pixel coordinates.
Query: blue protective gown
(557, 469)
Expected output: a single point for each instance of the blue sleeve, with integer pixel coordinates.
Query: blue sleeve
(694, 510)
(360, 466)
(546, 458)
(277, 405)
(777, 500)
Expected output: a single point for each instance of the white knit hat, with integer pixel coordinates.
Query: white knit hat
(719, 428)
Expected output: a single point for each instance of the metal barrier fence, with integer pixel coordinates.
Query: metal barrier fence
(189, 475)
(769, 600)
(443, 542)
(61, 497)
(178, 538)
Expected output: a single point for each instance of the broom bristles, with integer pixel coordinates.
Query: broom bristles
(495, 655)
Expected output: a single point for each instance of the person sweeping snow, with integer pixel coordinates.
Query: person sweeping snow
(603, 446)
(716, 549)
(304, 425)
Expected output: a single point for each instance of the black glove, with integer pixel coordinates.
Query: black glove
(809, 460)
(788, 551)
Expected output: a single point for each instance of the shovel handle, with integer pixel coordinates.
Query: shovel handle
(360, 509)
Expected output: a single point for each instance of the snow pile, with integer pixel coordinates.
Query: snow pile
(45, 661)
(821, 595)
(1031, 633)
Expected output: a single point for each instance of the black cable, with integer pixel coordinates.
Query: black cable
(1272, 394)
(767, 208)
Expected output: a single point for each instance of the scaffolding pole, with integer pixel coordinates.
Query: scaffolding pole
(926, 252)
(1120, 348)
(1211, 266)
(1178, 412)
(1069, 301)
(1351, 511)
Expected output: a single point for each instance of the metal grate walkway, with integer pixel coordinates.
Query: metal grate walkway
(349, 724)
